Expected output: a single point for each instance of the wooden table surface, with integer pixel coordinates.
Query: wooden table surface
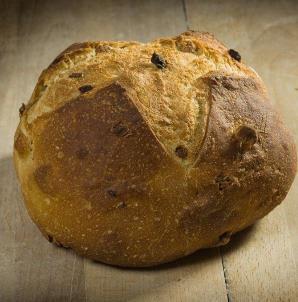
(259, 264)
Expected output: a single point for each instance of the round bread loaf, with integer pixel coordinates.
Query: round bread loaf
(137, 154)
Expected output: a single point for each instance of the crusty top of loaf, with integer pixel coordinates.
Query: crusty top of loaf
(173, 100)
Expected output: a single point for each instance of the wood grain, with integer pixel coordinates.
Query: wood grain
(259, 263)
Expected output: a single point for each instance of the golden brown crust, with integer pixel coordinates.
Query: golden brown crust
(135, 165)
(253, 164)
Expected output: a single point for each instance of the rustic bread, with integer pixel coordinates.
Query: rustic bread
(137, 154)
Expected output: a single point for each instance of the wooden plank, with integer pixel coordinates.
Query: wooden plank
(263, 267)
(31, 269)
(195, 278)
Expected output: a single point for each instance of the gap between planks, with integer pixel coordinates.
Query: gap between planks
(225, 274)
(185, 14)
